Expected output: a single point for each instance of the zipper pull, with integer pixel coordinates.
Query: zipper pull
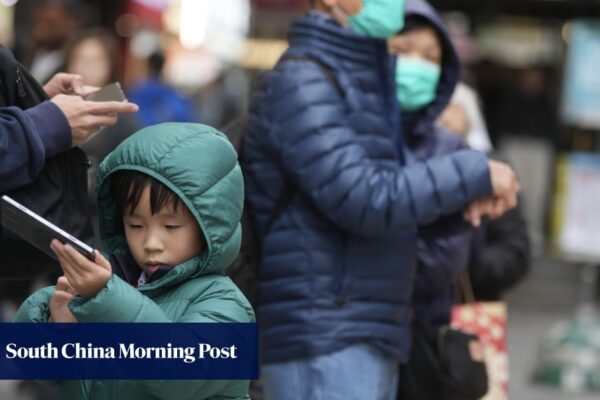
(20, 88)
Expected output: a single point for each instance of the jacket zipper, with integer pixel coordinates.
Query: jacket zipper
(20, 87)
(340, 299)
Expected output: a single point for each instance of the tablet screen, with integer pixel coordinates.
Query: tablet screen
(36, 230)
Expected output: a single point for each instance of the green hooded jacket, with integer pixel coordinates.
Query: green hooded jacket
(200, 165)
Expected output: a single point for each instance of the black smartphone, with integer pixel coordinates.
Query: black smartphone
(36, 230)
(110, 92)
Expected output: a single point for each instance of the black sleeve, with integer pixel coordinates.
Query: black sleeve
(500, 255)
(22, 261)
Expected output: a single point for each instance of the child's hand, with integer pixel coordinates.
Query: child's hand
(59, 302)
(85, 276)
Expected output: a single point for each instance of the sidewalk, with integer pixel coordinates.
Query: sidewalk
(549, 294)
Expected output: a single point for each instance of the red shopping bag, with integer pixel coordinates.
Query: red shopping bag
(487, 320)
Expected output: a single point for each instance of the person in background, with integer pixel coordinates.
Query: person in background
(94, 56)
(427, 72)
(338, 262)
(463, 117)
(497, 253)
(158, 101)
(500, 250)
(54, 21)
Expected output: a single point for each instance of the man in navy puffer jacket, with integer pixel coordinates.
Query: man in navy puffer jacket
(338, 263)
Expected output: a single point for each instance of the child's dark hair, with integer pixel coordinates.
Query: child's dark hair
(127, 187)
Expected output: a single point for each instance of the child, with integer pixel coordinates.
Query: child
(170, 200)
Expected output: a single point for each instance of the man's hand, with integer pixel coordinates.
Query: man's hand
(71, 84)
(86, 117)
(85, 276)
(59, 302)
(505, 188)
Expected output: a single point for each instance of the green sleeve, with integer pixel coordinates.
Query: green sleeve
(218, 301)
(118, 301)
(36, 308)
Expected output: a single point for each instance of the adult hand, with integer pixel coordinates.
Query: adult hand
(71, 84)
(85, 276)
(59, 302)
(505, 185)
(86, 117)
(476, 210)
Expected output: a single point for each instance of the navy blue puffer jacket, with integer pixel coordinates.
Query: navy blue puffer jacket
(338, 265)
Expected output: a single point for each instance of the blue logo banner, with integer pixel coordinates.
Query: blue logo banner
(129, 351)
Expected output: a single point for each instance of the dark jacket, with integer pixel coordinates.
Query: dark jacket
(338, 265)
(500, 255)
(441, 257)
(497, 253)
(31, 128)
(38, 167)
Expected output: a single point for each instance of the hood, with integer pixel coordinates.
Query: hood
(421, 122)
(199, 164)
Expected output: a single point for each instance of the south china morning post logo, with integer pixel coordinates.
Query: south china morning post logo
(129, 351)
(70, 351)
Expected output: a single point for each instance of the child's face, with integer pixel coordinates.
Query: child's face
(168, 237)
(420, 43)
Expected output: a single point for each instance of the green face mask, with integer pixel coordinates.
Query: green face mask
(416, 82)
(378, 18)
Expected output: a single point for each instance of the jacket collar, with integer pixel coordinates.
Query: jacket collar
(320, 32)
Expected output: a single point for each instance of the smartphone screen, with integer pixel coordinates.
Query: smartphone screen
(110, 92)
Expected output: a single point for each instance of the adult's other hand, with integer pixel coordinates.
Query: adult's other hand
(505, 185)
(63, 83)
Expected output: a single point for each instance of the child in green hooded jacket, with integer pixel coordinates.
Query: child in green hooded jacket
(170, 201)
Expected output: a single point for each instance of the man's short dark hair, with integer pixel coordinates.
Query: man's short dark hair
(127, 187)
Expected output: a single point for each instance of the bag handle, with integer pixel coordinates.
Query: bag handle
(465, 288)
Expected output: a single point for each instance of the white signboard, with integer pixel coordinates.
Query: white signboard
(579, 231)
